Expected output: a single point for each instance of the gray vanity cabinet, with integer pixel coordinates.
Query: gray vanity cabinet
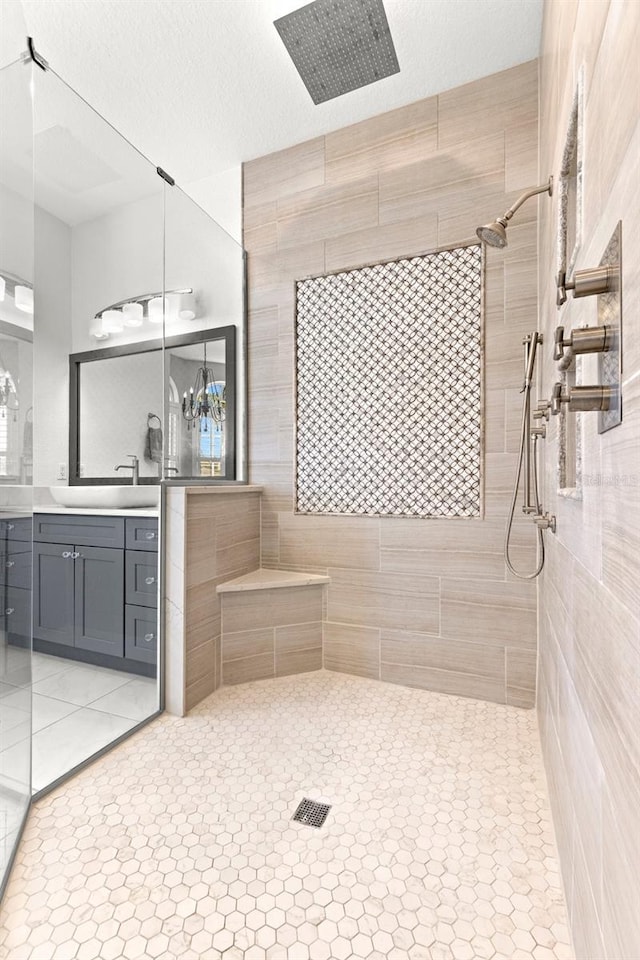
(15, 579)
(99, 600)
(92, 596)
(53, 593)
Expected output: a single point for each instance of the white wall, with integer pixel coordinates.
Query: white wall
(220, 195)
(52, 345)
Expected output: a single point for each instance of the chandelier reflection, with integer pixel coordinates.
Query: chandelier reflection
(206, 400)
(8, 394)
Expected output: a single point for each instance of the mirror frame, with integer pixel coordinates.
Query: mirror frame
(228, 334)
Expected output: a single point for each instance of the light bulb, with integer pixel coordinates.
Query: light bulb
(24, 298)
(112, 321)
(154, 310)
(133, 314)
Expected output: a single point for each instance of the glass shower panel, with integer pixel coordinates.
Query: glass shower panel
(16, 452)
(98, 265)
(204, 290)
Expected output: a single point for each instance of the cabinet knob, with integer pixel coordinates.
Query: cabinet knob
(149, 637)
(149, 580)
(75, 555)
(150, 535)
(9, 611)
(10, 563)
(11, 526)
(66, 554)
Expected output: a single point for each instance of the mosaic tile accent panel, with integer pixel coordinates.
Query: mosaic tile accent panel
(389, 388)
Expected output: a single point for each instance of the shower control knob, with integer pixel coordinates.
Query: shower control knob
(542, 410)
(545, 521)
(585, 283)
(581, 340)
(598, 397)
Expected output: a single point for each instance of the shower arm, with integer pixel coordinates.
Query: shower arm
(544, 188)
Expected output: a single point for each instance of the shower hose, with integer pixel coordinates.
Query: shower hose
(526, 408)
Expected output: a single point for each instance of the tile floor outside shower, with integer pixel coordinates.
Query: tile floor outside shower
(180, 844)
(77, 709)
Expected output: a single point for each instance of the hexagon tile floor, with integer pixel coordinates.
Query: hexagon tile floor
(180, 843)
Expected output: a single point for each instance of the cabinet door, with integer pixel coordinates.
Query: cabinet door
(99, 600)
(53, 576)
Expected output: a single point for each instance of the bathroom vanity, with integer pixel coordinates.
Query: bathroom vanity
(95, 588)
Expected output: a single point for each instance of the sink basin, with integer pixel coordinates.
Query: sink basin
(106, 498)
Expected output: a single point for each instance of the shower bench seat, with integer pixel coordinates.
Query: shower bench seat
(271, 624)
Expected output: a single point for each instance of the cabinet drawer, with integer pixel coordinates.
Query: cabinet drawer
(17, 568)
(140, 634)
(141, 533)
(141, 578)
(17, 616)
(84, 531)
(15, 529)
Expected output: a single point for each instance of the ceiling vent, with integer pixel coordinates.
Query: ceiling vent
(339, 45)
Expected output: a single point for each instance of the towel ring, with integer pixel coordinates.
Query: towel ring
(153, 416)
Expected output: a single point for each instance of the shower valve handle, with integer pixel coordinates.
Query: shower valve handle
(581, 340)
(585, 283)
(582, 399)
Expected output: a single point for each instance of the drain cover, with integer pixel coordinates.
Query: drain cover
(311, 812)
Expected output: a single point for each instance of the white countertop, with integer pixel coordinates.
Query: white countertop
(97, 512)
(223, 489)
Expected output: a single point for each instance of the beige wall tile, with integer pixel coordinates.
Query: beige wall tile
(201, 663)
(200, 689)
(521, 157)
(421, 650)
(318, 541)
(493, 103)
(443, 563)
(443, 681)
(327, 212)
(387, 141)
(300, 636)
(250, 668)
(521, 668)
(351, 649)
(484, 610)
(270, 608)
(393, 600)
(247, 643)
(298, 661)
(519, 697)
(375, 244)
(282, 174)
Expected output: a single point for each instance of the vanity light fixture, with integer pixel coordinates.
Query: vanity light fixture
(206, 397)
(21, 291)
(112, 321)
(154, 307)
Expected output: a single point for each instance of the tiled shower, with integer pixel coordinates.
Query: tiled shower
(475, 735)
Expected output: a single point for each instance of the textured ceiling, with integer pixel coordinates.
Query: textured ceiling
(202, 85)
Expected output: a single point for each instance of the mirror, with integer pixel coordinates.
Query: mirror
(118, 410)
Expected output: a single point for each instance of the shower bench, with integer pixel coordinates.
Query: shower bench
(271, 624)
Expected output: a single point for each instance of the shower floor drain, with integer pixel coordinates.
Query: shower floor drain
(311, 812)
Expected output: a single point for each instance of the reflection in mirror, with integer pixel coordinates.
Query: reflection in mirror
(118, 409)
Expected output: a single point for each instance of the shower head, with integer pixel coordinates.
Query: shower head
(495, 234)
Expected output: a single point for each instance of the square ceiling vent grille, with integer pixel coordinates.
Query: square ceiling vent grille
(339, 45)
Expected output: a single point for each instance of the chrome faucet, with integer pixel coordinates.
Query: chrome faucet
(134, 466)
